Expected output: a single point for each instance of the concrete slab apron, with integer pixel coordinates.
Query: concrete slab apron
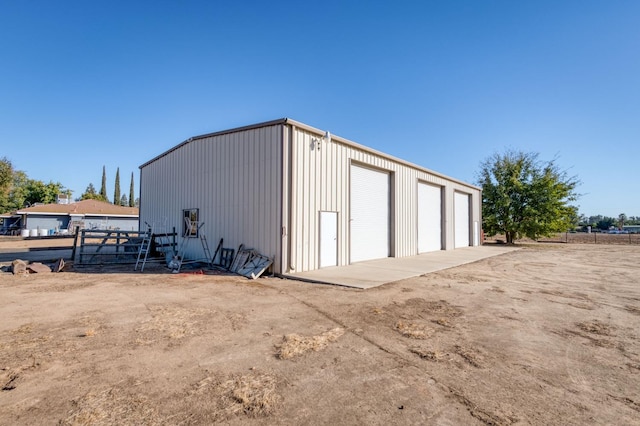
(377, 272)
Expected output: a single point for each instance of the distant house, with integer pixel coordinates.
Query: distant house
(631, 229)
(9, 224)
(87, 214)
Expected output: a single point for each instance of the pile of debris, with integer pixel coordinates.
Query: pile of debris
(21, 267)
(246, 261)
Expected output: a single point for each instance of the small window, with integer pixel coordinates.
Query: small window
(190, 223)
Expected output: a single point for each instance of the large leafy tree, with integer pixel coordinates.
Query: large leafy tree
(6, 180)
(525, 197)
(37, 191)
(18, 191)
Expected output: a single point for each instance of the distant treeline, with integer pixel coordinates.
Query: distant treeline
(606, 222)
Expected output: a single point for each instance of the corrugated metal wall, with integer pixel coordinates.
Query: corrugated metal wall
(234, 179)
(265, 187)
(320, 182)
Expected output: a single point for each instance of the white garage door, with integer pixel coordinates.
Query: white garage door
(429, 218)
(369, 214)
(461, 208)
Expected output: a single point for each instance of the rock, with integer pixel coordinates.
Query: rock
(19, 267)
(38, 268)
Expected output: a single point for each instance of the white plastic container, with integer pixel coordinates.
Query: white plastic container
(24, 233)
(44, 232)
(33, 232)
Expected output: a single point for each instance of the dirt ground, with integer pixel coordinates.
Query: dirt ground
(544, 335)
(17, 242)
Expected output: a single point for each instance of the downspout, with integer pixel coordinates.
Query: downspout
(285, 242)
(293, 199)
(140, 199)
(481, 242)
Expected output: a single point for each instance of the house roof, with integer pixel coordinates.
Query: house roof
(84, 207)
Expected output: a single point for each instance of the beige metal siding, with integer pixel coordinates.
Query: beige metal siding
(234, 179)
(320, 182)
(265, 186)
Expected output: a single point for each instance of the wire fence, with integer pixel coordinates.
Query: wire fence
(593, 238)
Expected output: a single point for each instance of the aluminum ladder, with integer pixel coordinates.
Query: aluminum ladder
(179, 257)
(143, 253)
(205, 248)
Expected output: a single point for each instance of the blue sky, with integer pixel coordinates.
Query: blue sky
(441, 84)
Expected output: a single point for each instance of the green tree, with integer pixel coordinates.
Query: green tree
(103, 188)
(116, 192)
(91, 194)
(6, 181)
(18, 193)
(525, 197)
(36, 191)
(132, 194)
(622, 218)
(124, 201)
(605, 223)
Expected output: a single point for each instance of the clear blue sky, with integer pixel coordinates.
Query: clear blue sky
(443, 84)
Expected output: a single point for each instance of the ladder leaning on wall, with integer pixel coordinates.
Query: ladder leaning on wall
(143, 252)
(190, 228)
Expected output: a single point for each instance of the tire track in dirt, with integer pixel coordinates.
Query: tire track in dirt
(485, 416)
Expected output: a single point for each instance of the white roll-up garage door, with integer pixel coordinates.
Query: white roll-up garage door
(369, 214)
(429, 218)
(461, 209)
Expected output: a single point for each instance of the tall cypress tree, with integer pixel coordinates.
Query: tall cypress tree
(116, 191)
(103, 188)
(132, 195)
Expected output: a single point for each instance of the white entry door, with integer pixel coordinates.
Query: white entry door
(429, 218)
(328, 239)
(370, 219)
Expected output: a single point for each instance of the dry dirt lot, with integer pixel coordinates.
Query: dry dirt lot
(545, 335)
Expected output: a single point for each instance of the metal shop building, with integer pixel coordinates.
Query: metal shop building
(306, 198)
